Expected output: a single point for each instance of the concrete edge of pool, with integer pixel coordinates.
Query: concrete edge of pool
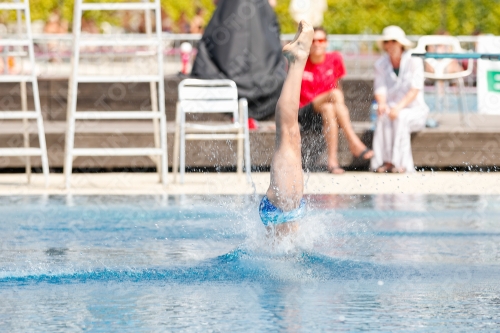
(473, 183)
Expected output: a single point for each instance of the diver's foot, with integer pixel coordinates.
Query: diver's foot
(298, 48)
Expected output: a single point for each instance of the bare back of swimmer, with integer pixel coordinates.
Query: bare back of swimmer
(283, 204)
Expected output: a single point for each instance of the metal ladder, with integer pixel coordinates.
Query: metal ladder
(19, 42)
(159, 152)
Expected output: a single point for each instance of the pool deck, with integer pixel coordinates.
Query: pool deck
(451, 144)
(452, 183)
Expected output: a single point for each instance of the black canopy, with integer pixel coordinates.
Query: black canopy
(242, 43)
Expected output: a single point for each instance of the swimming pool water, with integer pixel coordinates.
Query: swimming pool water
(203, 263)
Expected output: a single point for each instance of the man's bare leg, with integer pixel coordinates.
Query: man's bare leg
(286, 187)
(331, 135)
(333, 110)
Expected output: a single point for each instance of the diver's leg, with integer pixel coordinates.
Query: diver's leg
(286, 187)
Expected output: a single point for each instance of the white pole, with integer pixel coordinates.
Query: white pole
(26, 134)
(175, 162)
(161, 97)
(24, 102)
(72, 93)
(182, 166)
(248, 163)
(36, 98)
(154, 99)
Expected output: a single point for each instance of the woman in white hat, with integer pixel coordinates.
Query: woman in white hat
(398, 88)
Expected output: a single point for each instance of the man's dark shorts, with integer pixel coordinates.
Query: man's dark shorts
(310, 120)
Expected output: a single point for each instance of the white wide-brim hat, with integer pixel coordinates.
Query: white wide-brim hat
(393, 32)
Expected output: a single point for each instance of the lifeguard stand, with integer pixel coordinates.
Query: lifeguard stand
(16, 47)
(156, 81)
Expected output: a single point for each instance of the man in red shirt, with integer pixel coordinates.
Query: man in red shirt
(322, 104)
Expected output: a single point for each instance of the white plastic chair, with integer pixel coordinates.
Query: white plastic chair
(211, 96)
(439, 65)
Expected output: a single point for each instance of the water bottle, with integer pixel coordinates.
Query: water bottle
(373, 114)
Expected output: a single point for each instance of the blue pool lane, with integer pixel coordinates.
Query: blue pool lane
(201, 263)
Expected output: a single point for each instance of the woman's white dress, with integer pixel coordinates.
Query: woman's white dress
(392, 138)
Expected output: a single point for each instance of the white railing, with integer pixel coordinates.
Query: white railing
(53, 53)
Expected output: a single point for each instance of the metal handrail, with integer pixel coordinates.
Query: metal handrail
(359, 51)
(284, 37)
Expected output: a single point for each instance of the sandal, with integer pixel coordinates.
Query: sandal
(363, 153)
(384, 169)
(336, 170)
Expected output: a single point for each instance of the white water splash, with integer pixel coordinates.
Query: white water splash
(314, 230)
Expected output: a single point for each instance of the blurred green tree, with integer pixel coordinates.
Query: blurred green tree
(41, 9)
(175, 8)
(458, 17)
